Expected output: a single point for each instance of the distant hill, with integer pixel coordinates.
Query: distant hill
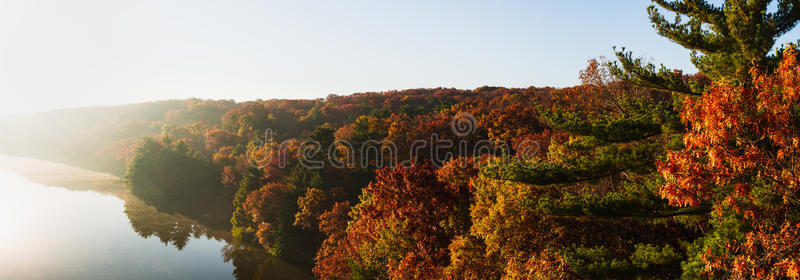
(103, 138)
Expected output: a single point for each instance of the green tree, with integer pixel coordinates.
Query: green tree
(243, 229)
(591, 200)
(725, 40)
(174, 169)
(603, 165)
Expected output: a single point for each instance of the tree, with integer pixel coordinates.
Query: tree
(725, 40)
(741, 157)
(333, 257)
(587, 205)
(242, 226)
(402, 226)
(272, 209)
(174, 169)
(216, 138)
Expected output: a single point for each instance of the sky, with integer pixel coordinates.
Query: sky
(58, 54)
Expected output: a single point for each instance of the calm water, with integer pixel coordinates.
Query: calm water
(59, 222)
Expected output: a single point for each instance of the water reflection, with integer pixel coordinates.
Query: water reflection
(172, 229)
(176, 230)
(194, 229)
(251, 263)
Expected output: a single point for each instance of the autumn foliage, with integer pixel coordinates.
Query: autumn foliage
(404, 223)
(741, 158)
(639, 172)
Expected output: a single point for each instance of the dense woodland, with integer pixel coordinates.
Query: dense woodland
(639, 172)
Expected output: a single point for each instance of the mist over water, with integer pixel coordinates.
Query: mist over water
(59, 222)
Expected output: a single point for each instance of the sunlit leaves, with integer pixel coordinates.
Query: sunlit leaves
(741, 156)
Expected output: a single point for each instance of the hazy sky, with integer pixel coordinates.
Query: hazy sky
(56, 54)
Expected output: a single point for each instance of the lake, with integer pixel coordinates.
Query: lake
(62, 222)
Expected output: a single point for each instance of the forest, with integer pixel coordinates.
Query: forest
(639, 172)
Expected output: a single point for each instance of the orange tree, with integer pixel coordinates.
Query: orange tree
(401, 227)
(741, 157)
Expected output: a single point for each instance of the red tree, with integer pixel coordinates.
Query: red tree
(741, 156)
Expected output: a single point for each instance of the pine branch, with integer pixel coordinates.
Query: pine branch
(699, 9)
(605, 161)
(787, 16)
(690, 35)
(647, 75)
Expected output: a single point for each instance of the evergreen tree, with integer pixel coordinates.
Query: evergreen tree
(243, 228)
(602, 166)
(725, 40)
(595, 186)
(171, 169)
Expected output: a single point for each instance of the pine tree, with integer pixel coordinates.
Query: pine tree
(726, 40)
(602, 170)
(595, 187)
